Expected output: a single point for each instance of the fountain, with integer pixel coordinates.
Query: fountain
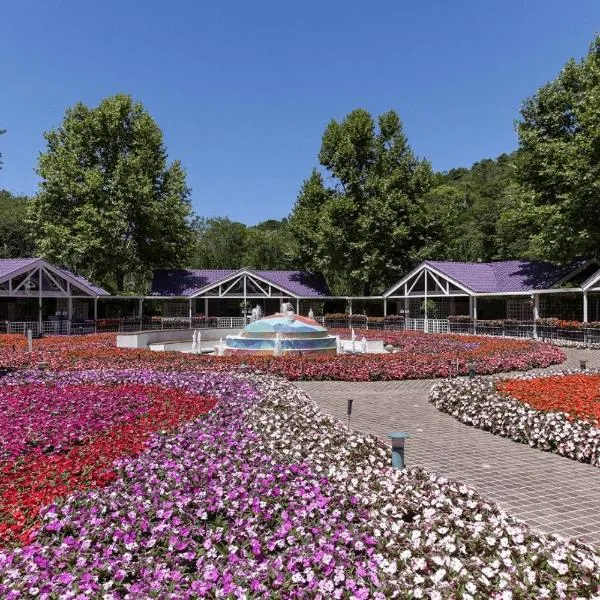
(280, 334)
(364, 345)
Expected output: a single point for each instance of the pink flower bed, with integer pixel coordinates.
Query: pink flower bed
(418, 356)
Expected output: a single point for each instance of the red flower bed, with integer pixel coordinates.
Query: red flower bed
(81, 454)
(419, 356)
(576, 394)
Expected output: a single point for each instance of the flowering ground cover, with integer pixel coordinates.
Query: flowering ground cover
(576, 394)
(58, 438)
(557, 412)
(266, 497)
(419, 356)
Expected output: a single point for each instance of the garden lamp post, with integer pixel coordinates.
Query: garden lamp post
(583, 364)
(398, 438)
(349, 410)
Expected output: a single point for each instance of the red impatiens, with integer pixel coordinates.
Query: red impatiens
(576, 394)
(70, 436)
(417, 356)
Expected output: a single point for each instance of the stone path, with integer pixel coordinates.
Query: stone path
(551, 493)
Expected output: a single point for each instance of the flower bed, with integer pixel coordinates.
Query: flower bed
(267, 497)
(555, 413)
(576, 394)
(56, 439)
(418, 356)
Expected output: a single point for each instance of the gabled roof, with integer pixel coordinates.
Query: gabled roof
(502, 277)
(189, 282)
(8, 266)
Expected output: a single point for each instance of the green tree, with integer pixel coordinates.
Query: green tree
(109, 205)
(465, 209)
(220, 244)
(270, 245)
(362, 232)
(15, 235)
(559, 165)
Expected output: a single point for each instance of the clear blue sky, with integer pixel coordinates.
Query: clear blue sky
(243, 90)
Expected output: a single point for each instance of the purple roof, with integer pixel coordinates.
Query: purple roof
(506, 275)
(10, 265)
(187, 282)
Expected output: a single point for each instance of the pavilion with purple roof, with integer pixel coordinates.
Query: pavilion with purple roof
(34, 291)
(222, 292)
(513, 289)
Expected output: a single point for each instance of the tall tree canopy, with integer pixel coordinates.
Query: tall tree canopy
(559, 166)
(15, 235)
(225, 244)
(464, 209)
(108, 203)
(363, 230)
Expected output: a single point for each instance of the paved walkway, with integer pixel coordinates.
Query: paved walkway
(550, 493)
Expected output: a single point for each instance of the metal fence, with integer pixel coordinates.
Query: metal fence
(119, 326)
(584, 335)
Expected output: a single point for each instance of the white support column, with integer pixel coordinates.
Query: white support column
(536, 313)
(406, 307)
(206, 306)
(245, 307)
(40, 300)
(69, 307)
(297, 306)
(471, 306)
(190, 311)
(95, 308)
(350, 306)
(385, 307)
(585, 307)
(475, 308)
(425, 303)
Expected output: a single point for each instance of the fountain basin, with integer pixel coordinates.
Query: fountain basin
(282, 334)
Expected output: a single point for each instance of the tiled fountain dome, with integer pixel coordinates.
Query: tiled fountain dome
(288, 333)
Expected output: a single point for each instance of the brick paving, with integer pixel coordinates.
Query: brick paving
(551, 493)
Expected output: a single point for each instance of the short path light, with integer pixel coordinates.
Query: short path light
(583, 364)
(398, 438)
(471, 368)
(349, 410)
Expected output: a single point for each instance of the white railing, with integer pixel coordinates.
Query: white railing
(231, 322)
(428, 325)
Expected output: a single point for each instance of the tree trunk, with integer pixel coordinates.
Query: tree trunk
(120, 278)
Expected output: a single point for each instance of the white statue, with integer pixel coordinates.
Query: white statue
(221, 347)
(278, 350)
(353, 340)
(311, 314)
(199, 342)
(194, 342)
(363, 345)
(340, 345)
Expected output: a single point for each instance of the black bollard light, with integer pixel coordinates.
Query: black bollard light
(349, 410)
(583, 364)
(471, 368)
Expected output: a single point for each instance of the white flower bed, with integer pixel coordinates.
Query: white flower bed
(434, 538)
(476, 402)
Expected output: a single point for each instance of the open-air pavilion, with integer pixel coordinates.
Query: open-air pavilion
(34, 291)
(228, 292)
(519, 290)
